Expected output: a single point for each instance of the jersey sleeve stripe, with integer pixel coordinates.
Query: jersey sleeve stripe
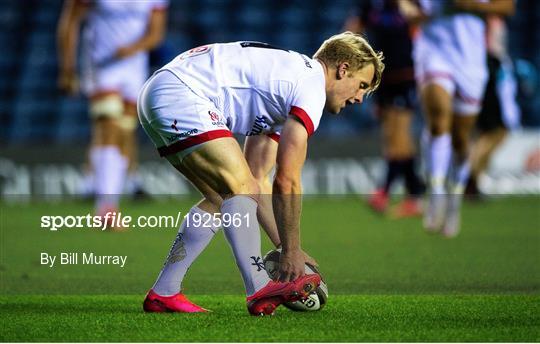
(192, 141)
(304, 118)
(466, 99)
(434, 75)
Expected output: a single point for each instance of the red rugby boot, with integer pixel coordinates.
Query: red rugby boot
(174, 303)
(409, 207)
(267, 299)
(378, 201)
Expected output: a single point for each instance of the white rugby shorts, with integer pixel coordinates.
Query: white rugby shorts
(465, 83)
(124, 77)
(175, 118)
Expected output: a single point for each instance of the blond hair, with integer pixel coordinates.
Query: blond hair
(354, 49)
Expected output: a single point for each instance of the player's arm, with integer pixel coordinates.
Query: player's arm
(354, 24)
(287, 197)
(497, 7)
(73, 12)
(260, 152)
(153, 36)
(412, 12)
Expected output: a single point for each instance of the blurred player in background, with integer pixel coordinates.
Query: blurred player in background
(500, 111)
(395, 99)
(116, 39)
(450, 66)
(190, 109)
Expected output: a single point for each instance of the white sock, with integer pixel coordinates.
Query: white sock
(188, 244)
(425, 140)
(244, 237)
(459, 174)
(440, 152)
(110, 168)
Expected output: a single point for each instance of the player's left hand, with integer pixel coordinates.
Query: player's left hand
(124, 52)
(408, 9)
(68, 82)
(465, 5)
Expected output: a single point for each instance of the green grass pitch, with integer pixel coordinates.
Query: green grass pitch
(388, 280)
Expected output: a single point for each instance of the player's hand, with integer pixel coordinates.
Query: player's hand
(124, 52)
(68, 82)
(408, 9)
(308, 259)
(465, 5)
(291, 265)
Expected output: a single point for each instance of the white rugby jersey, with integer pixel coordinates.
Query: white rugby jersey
(112, 24)
(459, 37)
(254, 85)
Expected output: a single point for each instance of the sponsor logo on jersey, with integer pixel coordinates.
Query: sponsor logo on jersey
(306, 61)
(259, 126)
(179, 135)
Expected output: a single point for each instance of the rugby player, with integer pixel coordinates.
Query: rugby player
(191, 108)
(450, 67)
(116, 39)
(395, 101)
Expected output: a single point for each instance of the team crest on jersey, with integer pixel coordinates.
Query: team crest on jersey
(195, 51)
(215, 118)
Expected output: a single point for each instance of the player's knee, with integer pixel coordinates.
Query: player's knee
(438, 129)
(248, 187)
(211, 204)
(265, 186)
(239, 185)
(127, 123)
(109, 106)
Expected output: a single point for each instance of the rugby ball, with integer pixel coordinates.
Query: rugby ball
(315, 301)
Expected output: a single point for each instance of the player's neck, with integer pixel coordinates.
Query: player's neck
(327, 77)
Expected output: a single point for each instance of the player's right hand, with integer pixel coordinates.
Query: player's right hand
(68, 83)
(291, 265)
